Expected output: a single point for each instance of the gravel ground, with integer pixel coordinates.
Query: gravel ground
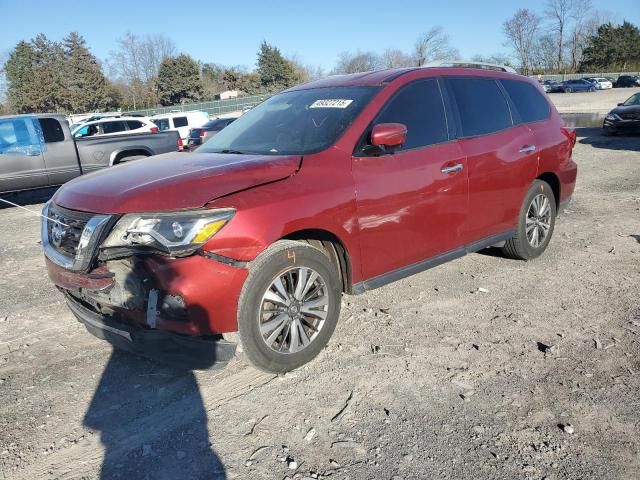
(600, 101)
(535, 378)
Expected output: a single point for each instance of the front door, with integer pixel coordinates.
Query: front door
(21, 162)
(412, 202)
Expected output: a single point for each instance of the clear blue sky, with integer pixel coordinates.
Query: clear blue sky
(316, 31)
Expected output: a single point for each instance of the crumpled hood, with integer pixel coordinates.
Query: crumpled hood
(172, 181)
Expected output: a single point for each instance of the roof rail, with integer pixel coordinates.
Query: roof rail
(467, 64)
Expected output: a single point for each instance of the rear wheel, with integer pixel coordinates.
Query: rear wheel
(289, 306)
(592, 89)
(567, 90)
(535, 223)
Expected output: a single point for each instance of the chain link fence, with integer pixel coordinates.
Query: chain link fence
(214, 108)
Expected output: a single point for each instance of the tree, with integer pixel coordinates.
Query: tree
(613, 47)
(579, 14)
(136, 63)
(358, 62)
(495, 58)
(521, 31)
(394, 58)
(275, 71)
(559, 12)
(85, 86)
(179, 80)
(19, 76)
(433, 46)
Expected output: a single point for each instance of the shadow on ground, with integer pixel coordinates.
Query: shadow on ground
(152, 422)
(32, 197)
(594, 137)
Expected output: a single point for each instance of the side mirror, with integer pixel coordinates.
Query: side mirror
(620, 104)
(389, 135)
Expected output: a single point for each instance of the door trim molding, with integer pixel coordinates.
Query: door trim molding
(412, 269)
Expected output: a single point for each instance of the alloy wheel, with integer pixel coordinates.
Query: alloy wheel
(538, 221)
(293, 310)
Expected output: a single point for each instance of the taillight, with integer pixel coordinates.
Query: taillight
(180, 144)
(154, 130)
(201, 133)
(570, 133)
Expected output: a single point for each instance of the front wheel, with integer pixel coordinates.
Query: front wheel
(567, 90)
(592, 89)
(289, 306)
(536, 221)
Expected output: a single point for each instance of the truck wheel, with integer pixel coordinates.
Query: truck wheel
(535, 223)
(289, 306)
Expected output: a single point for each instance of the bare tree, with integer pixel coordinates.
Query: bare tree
(521, 31)
(432, 46)
(559, 12)
(136, 62)
(495, 58)
(394, 58)
(579, 14)
(305, 72)
(358, 62)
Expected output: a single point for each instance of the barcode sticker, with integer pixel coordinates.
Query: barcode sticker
(331, 103)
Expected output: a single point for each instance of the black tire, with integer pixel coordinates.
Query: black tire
(567, 90)
(592, 89)
(278, 258)
(519, 247)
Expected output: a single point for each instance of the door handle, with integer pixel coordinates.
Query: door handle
(528, 149)
(453, 168)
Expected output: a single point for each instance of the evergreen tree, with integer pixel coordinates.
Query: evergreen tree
(85, 87)
(613, 47)
(48, 71)
(275, 71)
(19, 74)
(179, 81)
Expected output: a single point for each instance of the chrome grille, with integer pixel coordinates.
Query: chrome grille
(69, 237)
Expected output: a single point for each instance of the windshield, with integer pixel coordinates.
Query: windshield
(632, 100)
(293, 123)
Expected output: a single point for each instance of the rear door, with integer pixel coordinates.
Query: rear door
(409, 209)
(21, 163)
(182, 125)
(501, 156)
(60, 157)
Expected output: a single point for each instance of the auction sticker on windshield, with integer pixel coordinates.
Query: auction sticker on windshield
(331, 103)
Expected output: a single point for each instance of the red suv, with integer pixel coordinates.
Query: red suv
(341, 185)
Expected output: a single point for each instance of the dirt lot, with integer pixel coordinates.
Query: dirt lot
(601, 101)
(426, 378)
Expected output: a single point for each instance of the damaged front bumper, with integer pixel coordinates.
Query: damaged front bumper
(178, 350)
(158, 306)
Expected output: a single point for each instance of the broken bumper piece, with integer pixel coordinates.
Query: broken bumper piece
(180, 351)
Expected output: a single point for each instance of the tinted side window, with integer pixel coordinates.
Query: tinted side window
(51, 130)
(180, 122)
(529, 102)
(419, 107)
(481, 104)
(113, 127)
(162, 123)
(133, 124)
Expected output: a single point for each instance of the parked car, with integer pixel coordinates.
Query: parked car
(340, 185)
(199, 135)
(551, 86)
(115, 126)
(38, 151)
(625, 118)
(180, 121)
(578, 85)
(628, 81)
(600, 83)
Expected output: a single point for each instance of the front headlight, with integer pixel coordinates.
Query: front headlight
(613, 117)
(174, 233)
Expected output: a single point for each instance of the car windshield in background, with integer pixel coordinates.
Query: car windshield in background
(215, 125)
(293, 123)
(632, 100)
